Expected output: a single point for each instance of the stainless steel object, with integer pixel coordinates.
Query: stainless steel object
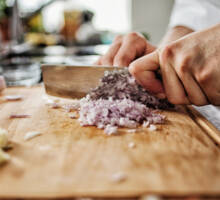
(72, 81)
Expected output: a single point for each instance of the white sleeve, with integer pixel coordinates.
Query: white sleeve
(195, 14)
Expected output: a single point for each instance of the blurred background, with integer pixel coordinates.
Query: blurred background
(70, 31)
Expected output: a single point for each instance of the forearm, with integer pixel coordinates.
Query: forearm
(174, 34)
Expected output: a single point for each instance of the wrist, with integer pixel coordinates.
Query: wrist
(174, 34)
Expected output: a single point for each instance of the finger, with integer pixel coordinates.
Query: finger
(173, 87)
(149, 49)
(131, 48)
(144, 70)
(108, 58)
(194, 93)
(98, 62)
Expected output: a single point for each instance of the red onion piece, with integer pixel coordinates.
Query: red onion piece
(13, 97)
(13, 116)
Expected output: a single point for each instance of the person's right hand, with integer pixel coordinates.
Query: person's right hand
(190, 69)
(125, 49)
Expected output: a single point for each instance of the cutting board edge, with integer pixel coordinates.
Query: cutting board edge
(111, 194)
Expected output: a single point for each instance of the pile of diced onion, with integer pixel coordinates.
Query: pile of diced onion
(119, 102)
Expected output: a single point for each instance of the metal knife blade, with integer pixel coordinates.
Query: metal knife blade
(72, 81)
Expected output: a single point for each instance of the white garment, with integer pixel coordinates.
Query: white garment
(195, 14)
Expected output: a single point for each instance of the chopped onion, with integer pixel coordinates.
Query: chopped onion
(13, 116)
(14, 97)
(146, 124)
(110, 130)
(118, 177)
(31, 135)
(119, 102)
(75, 105)
(131, 131)
(55, 105)
(131, 145)
(123, 113)
(119, 84)
(152, 128)
(73, 115)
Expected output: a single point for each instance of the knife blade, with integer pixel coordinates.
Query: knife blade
(72, 81)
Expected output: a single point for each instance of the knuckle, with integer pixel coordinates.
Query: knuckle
(134, 36)
(184, 64)
(203, 77)
(166, 53)
(118, 38)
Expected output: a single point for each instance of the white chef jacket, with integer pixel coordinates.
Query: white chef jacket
(195, 14)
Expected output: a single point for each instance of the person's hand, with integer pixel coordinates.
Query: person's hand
(126, 49)
(190, 69)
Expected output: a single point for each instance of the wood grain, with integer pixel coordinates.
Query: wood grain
(69, 160)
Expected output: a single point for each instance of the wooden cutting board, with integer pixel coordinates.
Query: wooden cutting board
(69, 160)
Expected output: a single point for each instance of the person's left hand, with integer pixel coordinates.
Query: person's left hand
(125, 49)
(190, 69)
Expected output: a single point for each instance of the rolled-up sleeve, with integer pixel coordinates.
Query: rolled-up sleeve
(195, 14)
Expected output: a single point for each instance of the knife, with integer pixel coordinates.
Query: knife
(72, 81)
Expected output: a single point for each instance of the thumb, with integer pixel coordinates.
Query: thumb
(144, 70)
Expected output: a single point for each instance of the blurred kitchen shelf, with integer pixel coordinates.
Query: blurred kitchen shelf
(55, 54)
